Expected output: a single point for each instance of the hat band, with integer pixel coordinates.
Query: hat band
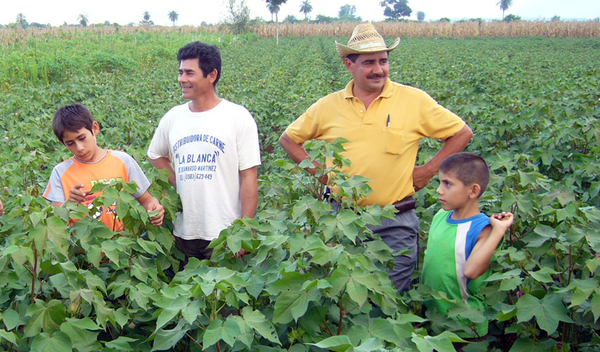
(367, 46)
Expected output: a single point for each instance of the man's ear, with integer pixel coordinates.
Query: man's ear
(212, 77)
(348, 64)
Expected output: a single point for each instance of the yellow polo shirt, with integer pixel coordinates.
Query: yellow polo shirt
(385, 153)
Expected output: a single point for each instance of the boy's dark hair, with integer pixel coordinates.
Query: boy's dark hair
(469, 168)
(72, 118)
(209, 57)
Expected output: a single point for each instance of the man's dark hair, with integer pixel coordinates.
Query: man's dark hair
(469, 168)
(353, 57)
(72, 118)
(209, 57)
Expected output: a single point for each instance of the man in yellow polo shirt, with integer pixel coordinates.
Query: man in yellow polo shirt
(384, 122)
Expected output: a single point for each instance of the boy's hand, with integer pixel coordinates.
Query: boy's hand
(502, 220)
(156, 220)
(77, 194)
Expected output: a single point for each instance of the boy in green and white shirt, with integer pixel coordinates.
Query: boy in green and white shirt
(462, 240)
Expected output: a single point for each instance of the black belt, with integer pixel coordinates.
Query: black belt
(408, 203)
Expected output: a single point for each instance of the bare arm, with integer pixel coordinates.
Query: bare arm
(298, 154)
(164, 163)
(150, 203)
(455, 144)
(249, 191)
(489, 238)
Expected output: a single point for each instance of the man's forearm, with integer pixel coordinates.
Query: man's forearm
(249, 191)
(452, 145)
(299, 154)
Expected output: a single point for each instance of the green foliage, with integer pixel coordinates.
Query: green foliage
(314, 280)
(396, 8)
(511, 18)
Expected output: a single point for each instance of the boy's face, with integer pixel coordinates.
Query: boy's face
(82, 143)
(454, 194)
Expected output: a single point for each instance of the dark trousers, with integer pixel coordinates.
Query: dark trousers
(401, 233)
(193, 248)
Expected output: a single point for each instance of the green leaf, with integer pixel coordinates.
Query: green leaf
(291, 305)
(335, 343)
(543, 275)
(217, 331)
(10, 317)
(59, 342)
(44, 317)
(8, 336)
(170, 308)
(547, 312)
(595, 303)
(167, 339)
(528, 345)
(121, 343)
(259, 322)
(441, 342)
(78, 332)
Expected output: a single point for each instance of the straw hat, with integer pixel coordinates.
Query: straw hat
(364, 40)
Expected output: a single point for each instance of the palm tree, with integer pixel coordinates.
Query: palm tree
(504, 5)
(146, 16)
(306, 8)
(273, 9)
(173, 16)
(83, 20)
(274, 6)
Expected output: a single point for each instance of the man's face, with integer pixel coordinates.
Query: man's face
(192, 81)
(370, 71)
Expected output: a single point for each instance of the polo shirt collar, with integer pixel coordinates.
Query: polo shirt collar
(385, 93)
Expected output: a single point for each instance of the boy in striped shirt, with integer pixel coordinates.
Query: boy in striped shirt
(462, 240)
(73, 179)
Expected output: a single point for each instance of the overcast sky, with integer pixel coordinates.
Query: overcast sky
(57, 12)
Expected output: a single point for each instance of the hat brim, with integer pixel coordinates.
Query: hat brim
(344, 50)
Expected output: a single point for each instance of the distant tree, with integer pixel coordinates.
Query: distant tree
(347, 13)
(83, 20)
(324, 19)
(420, 15)
(173, 16)
(146, 21)
(21, 21)
(504, 5)
(555, 19)
(306, 8)
(238, 16)
(511, 18)
(396, 8)
(444, 19)
(276, 6)
(291, 19)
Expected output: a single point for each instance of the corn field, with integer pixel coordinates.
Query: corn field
(469, 29)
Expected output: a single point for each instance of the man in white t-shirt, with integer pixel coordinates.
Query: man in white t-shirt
(210, 145)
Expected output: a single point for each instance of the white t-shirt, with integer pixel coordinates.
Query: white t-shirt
(208, 149)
